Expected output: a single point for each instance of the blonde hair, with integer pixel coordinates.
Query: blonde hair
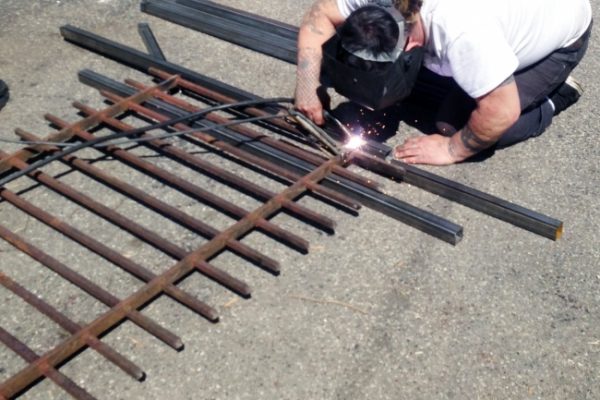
(409, 9)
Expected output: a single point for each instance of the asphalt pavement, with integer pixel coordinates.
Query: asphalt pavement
(377, 311)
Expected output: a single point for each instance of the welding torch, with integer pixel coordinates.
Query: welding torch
(323, 138)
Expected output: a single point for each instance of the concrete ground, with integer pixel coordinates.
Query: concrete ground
(377, 311)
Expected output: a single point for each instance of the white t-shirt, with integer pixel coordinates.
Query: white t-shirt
(480, 43)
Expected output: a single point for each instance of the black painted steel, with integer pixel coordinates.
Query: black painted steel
(150, 41)
(395, 208)
(243, 17)
(142, 61)
(223, 28)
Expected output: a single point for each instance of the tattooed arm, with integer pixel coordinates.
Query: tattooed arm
(495, 113)
(318, 26)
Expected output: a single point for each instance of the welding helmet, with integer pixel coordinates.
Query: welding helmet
(375, 81)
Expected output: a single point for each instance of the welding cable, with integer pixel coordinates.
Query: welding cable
(118, 142)
(138, 131)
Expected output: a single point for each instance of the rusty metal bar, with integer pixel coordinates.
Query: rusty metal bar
(87, 123)
(72, 327)
(156, 286)
(76, 235)
(127, 225)
(224, 175)
(43, 369)
(340, 200)
(169, 211)
(311, 157)
(195, 191)
(244, 155)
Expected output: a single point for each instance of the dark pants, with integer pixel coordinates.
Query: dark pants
(535, 84)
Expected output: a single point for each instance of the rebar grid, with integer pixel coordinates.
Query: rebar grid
(89, 335)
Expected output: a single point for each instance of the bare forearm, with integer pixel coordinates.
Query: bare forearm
(317, 26)
(466, 143)
(495, 113)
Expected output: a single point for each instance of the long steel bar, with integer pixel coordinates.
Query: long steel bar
(70, 326)
(211, 24)
(225, 176)
(269, 166)
(156, 286)
(197, 192)
(127, 225)
(244, 18)
(89, 122)
(504, 210)
(167, 210)
(42, 368)
(76, 235)
(254, 111)
(140, 60)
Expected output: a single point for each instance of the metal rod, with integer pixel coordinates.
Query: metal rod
(310, 157)
(140, 60)
(337, 198)
(76, 235)
(196, 192)
(227, 176)
(169, 211)
(66, 133)
(67, 324)
(150, 41)
(127, 225)
(512, 213)
(73, 344)
(41, 368)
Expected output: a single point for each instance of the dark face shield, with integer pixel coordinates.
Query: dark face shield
(378, 87)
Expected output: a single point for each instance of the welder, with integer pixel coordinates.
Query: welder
(508, 64)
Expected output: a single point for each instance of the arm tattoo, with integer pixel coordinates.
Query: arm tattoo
(314, 14)
(471, 141)
(308, 72)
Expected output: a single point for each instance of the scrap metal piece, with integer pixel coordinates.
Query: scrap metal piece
(150, 41)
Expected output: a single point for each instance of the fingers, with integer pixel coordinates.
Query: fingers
(409, 149)
(409, 156)
(314, 112)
